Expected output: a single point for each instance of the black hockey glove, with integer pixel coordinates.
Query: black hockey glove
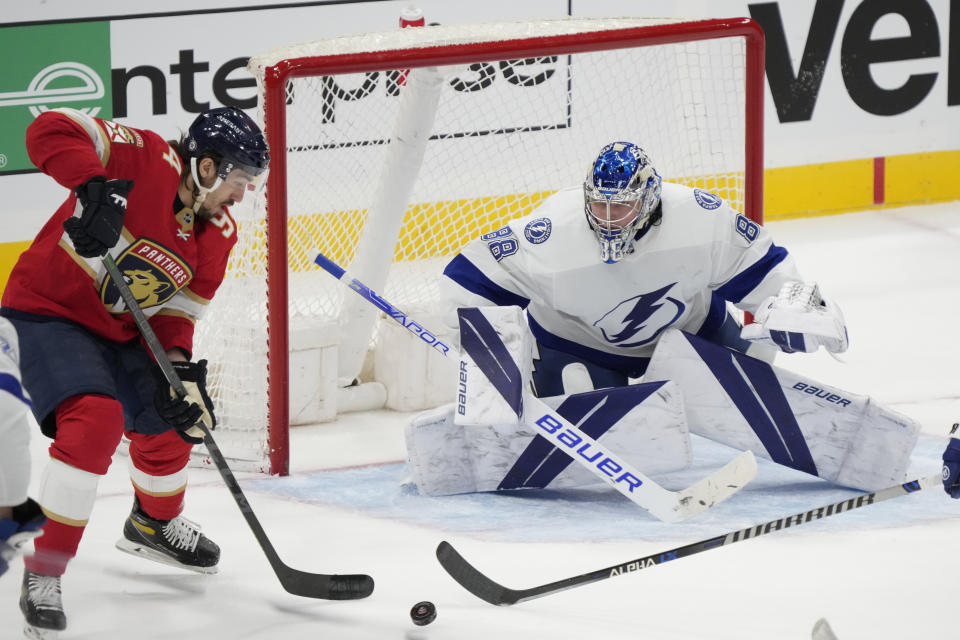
(183, 414)
(104, 203)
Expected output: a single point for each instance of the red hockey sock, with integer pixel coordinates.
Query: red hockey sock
(160, 507)
(54, 549)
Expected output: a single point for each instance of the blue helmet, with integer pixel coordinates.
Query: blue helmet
(232, 138)
(621, 192)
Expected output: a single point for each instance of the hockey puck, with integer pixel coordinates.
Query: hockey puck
(423, 613)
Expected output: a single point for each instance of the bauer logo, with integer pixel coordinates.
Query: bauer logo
(580, 446)
(59, 65)
(462, 389)
(538, 231)
(706, 199)
(823, 394)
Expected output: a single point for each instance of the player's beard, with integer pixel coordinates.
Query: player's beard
(206, 213)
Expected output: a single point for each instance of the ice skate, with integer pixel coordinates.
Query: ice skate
(42, 606)
(177, 542)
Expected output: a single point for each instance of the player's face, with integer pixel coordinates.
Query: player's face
(230, 192)
(613, 215)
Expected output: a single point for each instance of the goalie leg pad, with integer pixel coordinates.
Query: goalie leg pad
(745, 403)
(495, 340)
(643, 424)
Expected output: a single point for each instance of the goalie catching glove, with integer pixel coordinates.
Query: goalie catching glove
(183, 414)
(799, 319)
(103, 205)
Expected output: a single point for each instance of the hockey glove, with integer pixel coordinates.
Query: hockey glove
(799, 319)
(951, 467)
(183, 414)
(103, 204)
(26, 523)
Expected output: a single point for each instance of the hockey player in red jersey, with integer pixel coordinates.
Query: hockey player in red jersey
(160, 209)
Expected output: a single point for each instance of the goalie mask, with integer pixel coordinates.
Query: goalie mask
(234, 141)
(620, 194)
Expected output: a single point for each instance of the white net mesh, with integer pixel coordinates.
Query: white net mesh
(507, 133)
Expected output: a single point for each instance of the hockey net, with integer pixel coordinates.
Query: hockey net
(392, 150)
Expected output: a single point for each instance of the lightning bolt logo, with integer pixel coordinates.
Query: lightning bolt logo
(639, 320)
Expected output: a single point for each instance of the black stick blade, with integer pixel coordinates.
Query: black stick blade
(472, 580)
(350, 587)
(326, 587)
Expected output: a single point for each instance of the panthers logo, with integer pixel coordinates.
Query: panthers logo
(145, 286)
(154, 274)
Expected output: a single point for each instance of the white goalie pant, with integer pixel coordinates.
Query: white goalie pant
(16, 422)
(745, 403)
(15, 426)
(445, 458)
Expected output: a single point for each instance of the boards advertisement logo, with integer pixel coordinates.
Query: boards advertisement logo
(48, 66)
(341, 100)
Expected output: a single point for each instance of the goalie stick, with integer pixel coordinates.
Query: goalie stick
(670, 506)
(471, 579)
(300, 583)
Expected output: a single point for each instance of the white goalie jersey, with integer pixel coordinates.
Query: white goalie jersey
(680, 274)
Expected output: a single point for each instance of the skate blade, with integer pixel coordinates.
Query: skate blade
(39, 633)
(143, 551)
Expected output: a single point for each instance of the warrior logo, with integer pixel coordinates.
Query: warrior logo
(641, 319)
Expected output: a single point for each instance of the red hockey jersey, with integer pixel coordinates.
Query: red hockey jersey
(173, 260)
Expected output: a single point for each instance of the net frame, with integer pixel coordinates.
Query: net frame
(452, 45)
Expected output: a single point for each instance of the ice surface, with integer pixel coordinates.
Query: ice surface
(884, 571)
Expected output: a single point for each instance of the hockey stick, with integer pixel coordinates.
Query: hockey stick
(300, 583)
(670, 506)
(486, 589)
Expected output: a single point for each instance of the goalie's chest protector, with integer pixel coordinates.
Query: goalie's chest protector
(623, 307)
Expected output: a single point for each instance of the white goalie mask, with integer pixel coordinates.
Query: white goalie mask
(620, 194)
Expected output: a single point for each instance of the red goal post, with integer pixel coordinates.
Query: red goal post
(422, 175)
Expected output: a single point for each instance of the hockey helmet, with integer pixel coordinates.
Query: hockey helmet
(233, 137)
(621, 192)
